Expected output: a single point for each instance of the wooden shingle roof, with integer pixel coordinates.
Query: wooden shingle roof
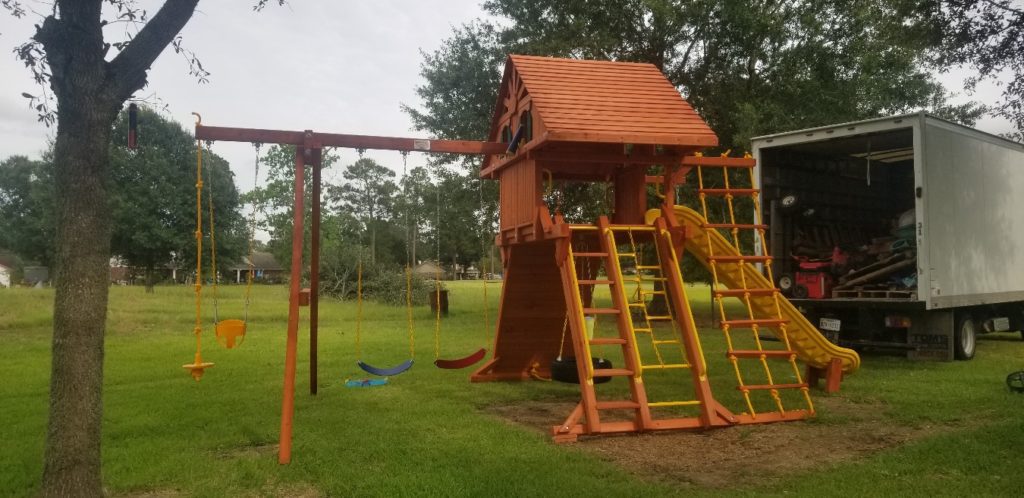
(608, 102)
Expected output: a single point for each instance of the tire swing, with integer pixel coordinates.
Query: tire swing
(455, 363)
(564, 369)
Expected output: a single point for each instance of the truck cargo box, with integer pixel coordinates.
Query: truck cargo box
(903, 231)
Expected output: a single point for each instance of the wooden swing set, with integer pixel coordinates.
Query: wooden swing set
(309, 148)
(625, 124)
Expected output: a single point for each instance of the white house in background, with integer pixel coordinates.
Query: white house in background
(5, 275)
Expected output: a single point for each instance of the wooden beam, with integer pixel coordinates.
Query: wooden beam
(731, 162)
(694, 140)
(598, 158)
(311, 139)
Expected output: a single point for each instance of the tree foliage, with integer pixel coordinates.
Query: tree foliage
(369, 193)
(987, 35)
(26, 208)
(748, 68)
(153, 197)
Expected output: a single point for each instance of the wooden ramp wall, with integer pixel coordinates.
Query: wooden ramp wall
(531, 316)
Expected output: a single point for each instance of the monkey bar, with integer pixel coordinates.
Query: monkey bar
(309, 150)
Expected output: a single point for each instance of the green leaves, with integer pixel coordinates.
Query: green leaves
(749, 68)
(153, 197)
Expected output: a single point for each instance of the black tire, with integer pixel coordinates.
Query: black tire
(800, 292)
(564, 370)
(1015, 382)
(965, 337)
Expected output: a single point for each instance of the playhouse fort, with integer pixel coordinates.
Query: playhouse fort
(624, 123)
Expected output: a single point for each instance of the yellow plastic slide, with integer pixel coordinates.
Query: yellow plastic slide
(805, 339)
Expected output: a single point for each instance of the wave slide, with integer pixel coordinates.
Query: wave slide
(805, 339)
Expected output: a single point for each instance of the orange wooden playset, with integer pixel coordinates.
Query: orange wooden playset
(624, 124)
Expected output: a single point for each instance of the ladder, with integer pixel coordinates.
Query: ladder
(734, 263)
(587, 418)
(576, 310)
(651, 325)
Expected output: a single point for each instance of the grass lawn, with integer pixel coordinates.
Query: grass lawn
(432, 433)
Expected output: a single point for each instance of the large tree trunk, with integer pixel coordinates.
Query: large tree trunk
(72, 464)
(89, 91)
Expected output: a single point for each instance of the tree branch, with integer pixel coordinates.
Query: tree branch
(128, 70)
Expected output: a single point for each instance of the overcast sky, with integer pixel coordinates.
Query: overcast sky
(331, 66)
(337, 66)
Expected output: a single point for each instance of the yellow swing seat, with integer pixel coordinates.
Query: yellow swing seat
(230, 333)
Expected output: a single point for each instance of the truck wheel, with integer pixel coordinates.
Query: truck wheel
(800, 292)
(965, 337)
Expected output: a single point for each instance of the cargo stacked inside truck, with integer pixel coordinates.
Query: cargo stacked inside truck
(899, 233)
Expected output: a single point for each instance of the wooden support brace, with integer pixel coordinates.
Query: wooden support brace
(833, 375)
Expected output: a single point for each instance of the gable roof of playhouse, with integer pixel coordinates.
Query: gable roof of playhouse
(600, 101)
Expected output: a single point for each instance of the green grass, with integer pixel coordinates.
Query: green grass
(429, 433)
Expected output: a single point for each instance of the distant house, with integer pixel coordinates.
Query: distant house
(37, 275)
(266, 268)
(120, 274)
(429, 269)
(5, 275)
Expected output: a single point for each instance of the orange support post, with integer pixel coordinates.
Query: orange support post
(284, 454)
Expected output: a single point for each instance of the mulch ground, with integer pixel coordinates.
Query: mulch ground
(737, 456)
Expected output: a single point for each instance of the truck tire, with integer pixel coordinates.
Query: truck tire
(965, 337)
(800, 292)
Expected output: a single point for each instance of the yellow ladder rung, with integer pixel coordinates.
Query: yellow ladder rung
(666, 341)
(631, 228)
(674, 366)
(646, 330)
(659, 317)
(673, 403)
(652, 293)
(648, 267)
(637, 305)
(627, 254)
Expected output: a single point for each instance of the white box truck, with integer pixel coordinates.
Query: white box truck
(904, 232)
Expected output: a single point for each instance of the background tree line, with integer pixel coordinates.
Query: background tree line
(380, 219)
(151, 194)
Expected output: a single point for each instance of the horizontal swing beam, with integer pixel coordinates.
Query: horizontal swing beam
(316, 140)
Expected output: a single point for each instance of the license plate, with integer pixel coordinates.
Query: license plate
(831, 324)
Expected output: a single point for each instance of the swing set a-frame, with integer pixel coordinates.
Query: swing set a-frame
(624, 124)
